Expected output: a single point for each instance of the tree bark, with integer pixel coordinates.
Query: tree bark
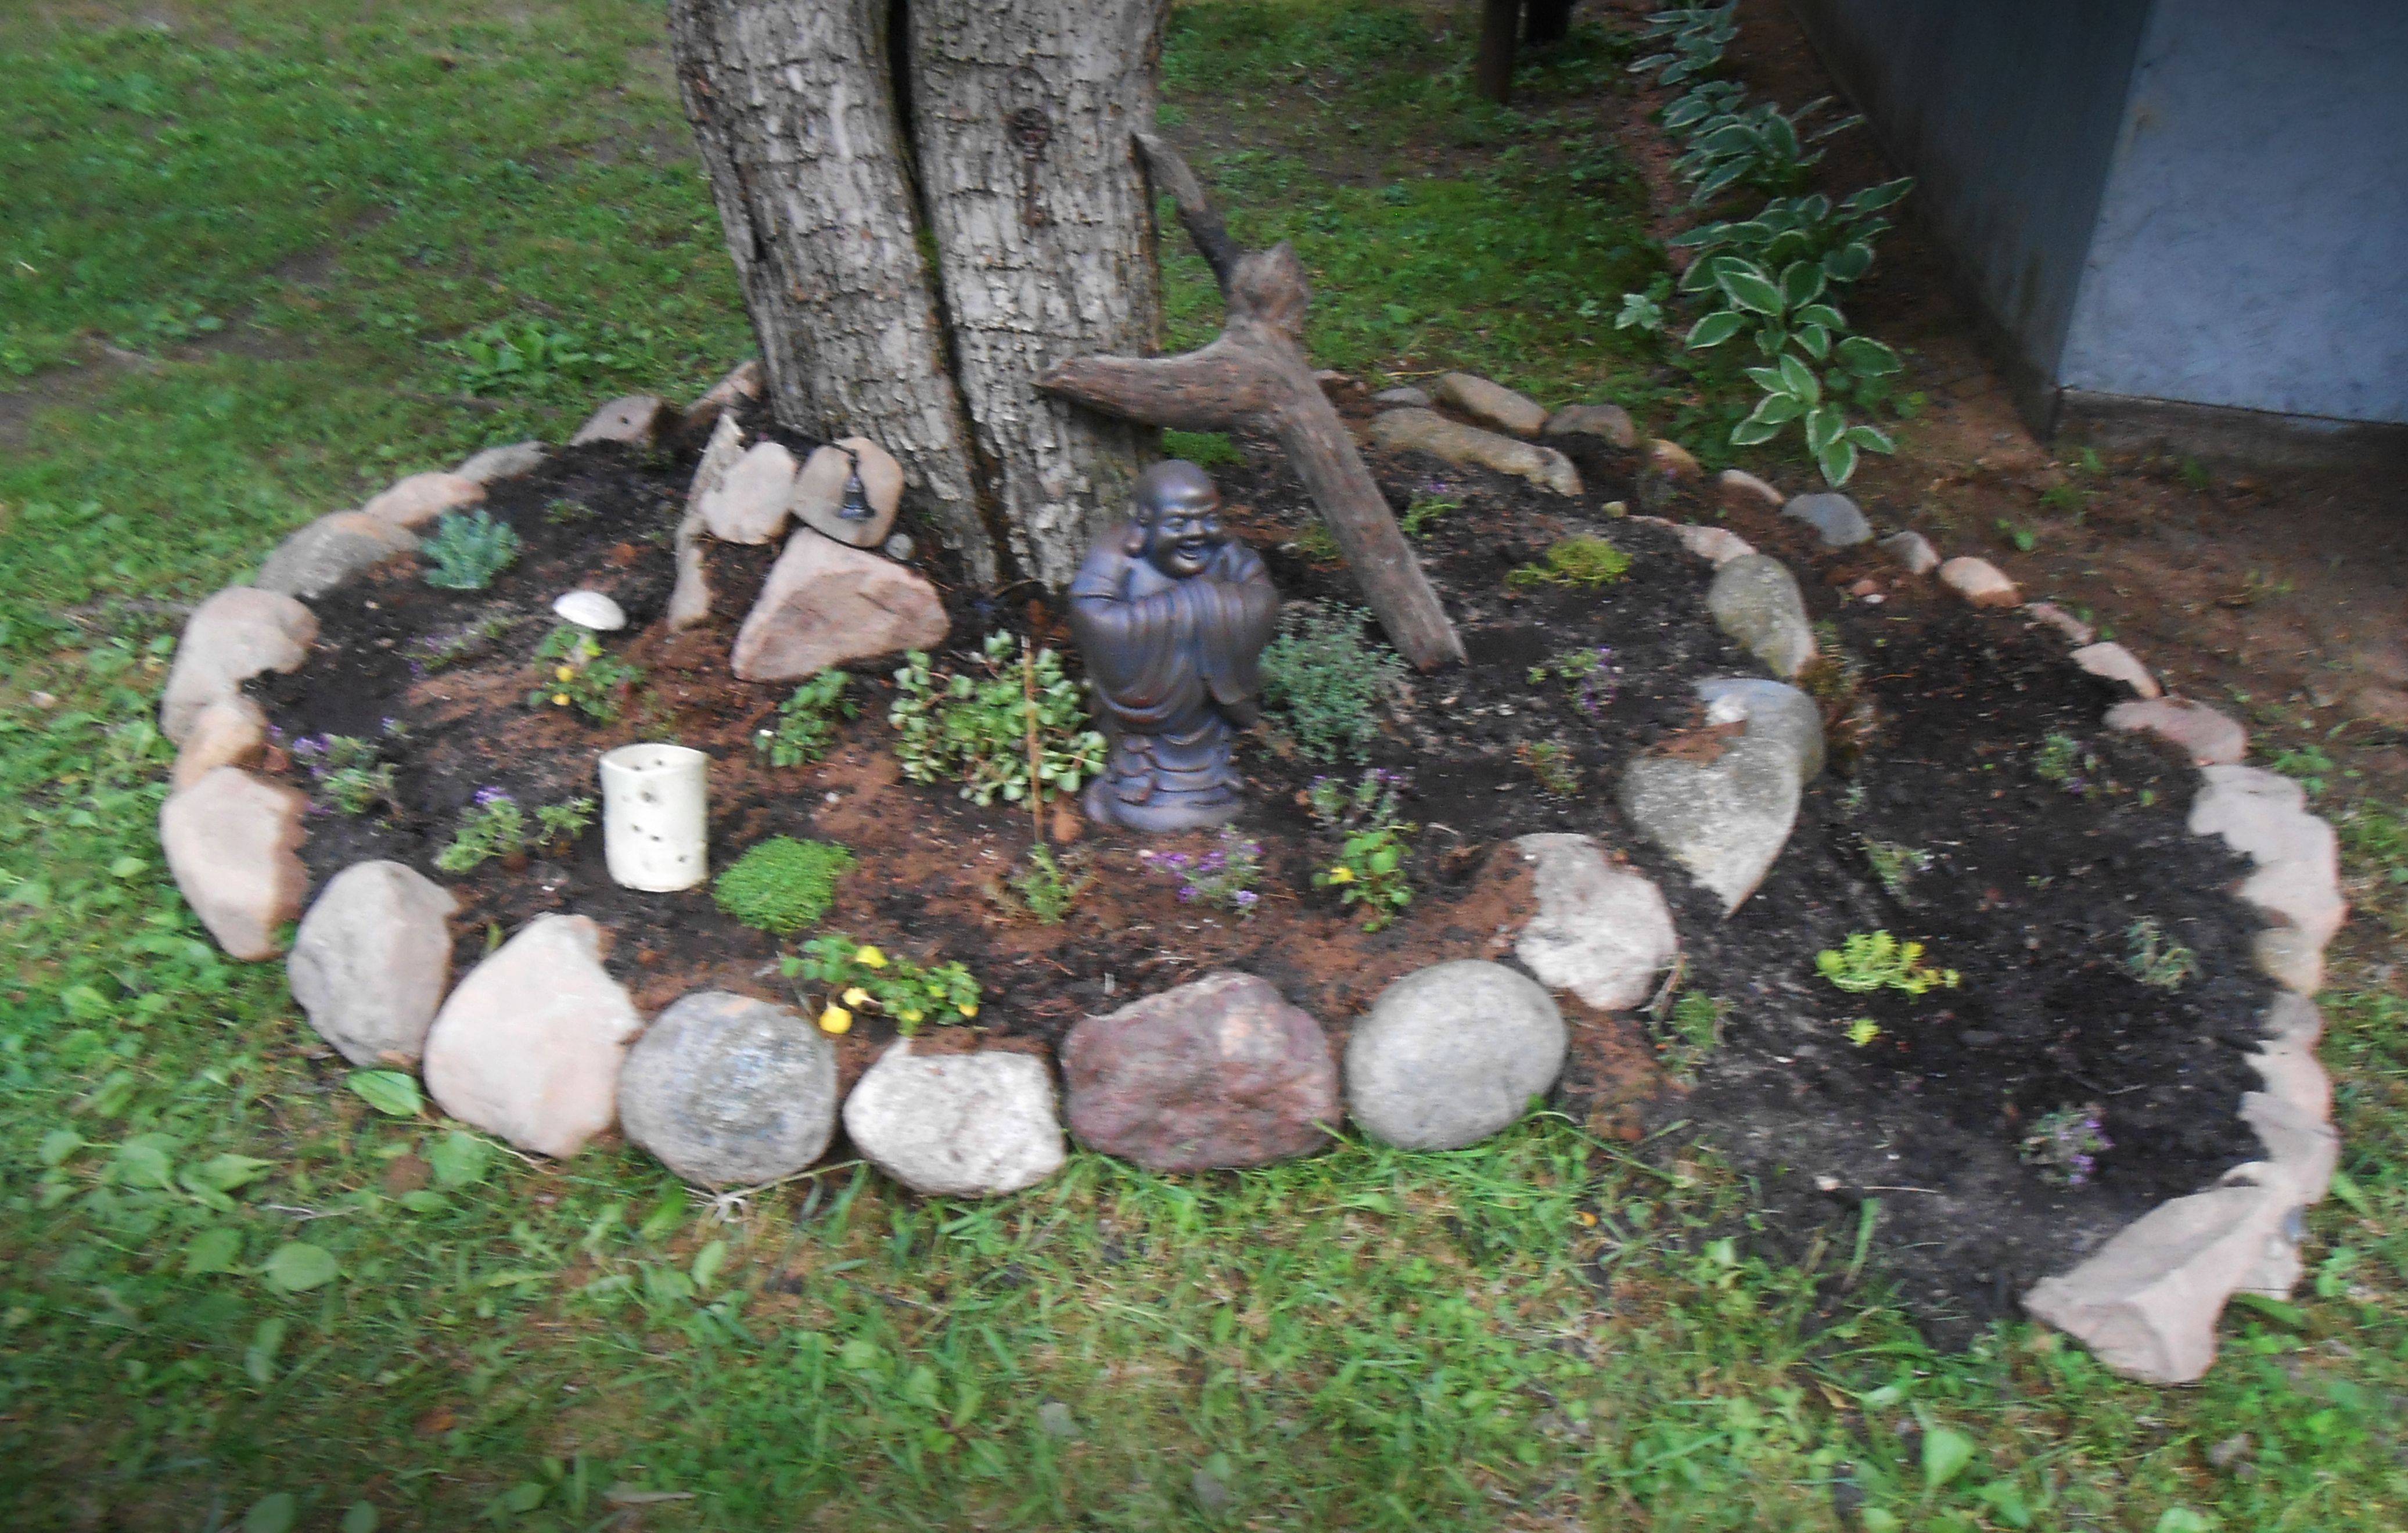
(927, 202)
(1256, 374)
(1492, 69)
(1546, 21)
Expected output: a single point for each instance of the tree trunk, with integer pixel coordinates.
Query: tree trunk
(1547, 22)
(1255, 374)
(1492, 69)
(928, 202)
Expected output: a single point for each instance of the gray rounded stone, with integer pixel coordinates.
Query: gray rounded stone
(371, 961)
(958, 1125)
(1451, 1054)
(729, 1091)
(1756, 601)
(1725, 820)
(1834, 517)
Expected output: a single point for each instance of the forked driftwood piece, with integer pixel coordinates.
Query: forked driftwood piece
(1255, 374)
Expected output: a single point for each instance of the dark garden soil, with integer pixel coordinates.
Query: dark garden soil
(1937, 716)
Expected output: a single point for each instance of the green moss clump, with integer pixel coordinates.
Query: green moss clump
(1575, 561)
(782, 885)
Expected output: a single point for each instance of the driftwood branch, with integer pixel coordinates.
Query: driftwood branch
(1257, 375)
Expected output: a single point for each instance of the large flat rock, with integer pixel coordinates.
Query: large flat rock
(1426, 431)
(1725, 820)
(826, 604)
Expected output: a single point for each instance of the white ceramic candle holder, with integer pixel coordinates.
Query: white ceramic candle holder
(654, 817)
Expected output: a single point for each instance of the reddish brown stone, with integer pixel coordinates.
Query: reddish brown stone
(1219, 1072)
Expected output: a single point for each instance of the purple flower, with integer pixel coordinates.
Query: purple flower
(487, 797)
(1244, 898)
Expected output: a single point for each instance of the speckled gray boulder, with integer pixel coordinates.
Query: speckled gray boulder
(1756, 601)
(1725, 820)
(1451, 1054)
(1834, 517)
(729, 1091)
(1772, 710)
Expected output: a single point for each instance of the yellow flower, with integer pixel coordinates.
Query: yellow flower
(1342, 875)
(912, 1016)
(856, 996)
(560, 699)
(1584, 1219)
(869, 958)
(565, 673)
(835, 1019)
(967, 1009)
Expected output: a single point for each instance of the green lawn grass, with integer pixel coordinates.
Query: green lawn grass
(237, 249)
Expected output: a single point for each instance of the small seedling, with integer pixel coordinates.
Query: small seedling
(1425, 509)
(1588, 561)
(1551, 762)
(1589, 675)
(578, 673)
(2156, 959)
(851, 978)
(1223, 878)
(2023, 537)
(1327, 683)
(494, 825)
(1869, 961)
(1895, 864)
(2065, 1145)
(1863, 1031)
(1370, 870)
(468, 549)
(782, 885)
(1317, 545)
(1049, 887)
(348, 775)
(2063, 760)
(560, 512)
(435, 651)
(1695, 1035)
(806, 720)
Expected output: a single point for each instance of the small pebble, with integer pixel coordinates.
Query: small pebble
(899, 547)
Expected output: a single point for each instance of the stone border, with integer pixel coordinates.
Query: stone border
(538, 1045)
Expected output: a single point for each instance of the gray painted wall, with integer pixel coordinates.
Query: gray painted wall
(2252, 243)
(2196, 201)
(2006, 112)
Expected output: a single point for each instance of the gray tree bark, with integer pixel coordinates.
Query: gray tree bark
(928, 203)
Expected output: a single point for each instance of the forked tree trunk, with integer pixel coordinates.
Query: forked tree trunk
(929, 202)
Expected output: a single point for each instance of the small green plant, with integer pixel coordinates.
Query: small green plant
(806, 720)
(1694, 37)
(1327, 683)
(1223, 877)
(521, 357)
(560, 512)
(983, 727)
(2194, 474)
(349, 775)
(1871, 961)
(1050, 886)
(1574, 561)
(2023, 537)
(1369, 868)
(1425, 509)
(782, 885)
(2063, 762)
(578, 673)
(437, 651)
(2156, 959)
(1695, 1034)
(1204, 449)
(1760, 146)
(851, 978)
(468, 549)
(2064, 1145)
(1895, 865)
(494, 825)
(1316, 543)
(1589, 675)
(1863, 1031)
(1551, 762)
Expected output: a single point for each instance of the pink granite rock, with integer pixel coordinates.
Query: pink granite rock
(637, 419)
(2204, 735)
(1980, 582)
(1743, 491)
(749, 503)
(414, 502)
(824, 605)
(230, 732)
(231, 637)
(819, 490)
(230, 839)
(2114, 663)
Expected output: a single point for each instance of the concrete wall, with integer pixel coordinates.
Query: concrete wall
(2161, 206)
(2251, 240)
(2006, 112)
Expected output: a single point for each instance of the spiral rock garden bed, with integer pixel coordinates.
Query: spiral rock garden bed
(1742, 825)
